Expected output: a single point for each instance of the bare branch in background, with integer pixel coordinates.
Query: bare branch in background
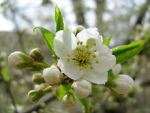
(142, 13)
(39, 106)
(78, 7)
(100, 8)
(17, 29)
(10, 94)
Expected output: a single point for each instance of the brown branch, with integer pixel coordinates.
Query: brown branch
(146, 83)
(142, 13)
(78, 8)
(9, 92)
(140, 18)
(38, 106)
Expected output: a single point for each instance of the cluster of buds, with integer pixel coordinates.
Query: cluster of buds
(32, 61)
(45, 82)
(49, 79)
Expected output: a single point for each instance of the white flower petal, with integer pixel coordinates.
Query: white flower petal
(64, 43)
(70, 69)
(86, 34)
(97, 78)
(116, 69)
(105, 63)
(103, 49)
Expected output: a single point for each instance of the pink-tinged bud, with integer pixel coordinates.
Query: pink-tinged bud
(82, 88)
(52, 75)
(123, 84)
(16, 58)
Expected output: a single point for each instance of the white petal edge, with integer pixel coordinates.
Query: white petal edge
(85, 34)
(97, 78)
(69, 69)
(106, 62)
(64, 43)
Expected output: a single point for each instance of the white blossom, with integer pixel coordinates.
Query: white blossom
(83, 56)
(123, 84)
(52, 75)
(82, 88)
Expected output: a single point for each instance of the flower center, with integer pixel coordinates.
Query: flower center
(81, 56)
(84, 56)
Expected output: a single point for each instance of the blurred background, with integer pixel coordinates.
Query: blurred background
(124, 20)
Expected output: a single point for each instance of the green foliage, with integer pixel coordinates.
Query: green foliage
(125, 52)
(111, 78)
(107, 40)
(48, 37)
(86, 105)
(5, 74)
(58, 19)
(65, 90)
(61, 92)
(36, 95)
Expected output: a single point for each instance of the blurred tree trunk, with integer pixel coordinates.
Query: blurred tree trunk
(100, 8)
(142, 13)
(78, 7)
(19, 33)
(140, 17)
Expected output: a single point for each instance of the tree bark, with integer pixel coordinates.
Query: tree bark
(78, 7)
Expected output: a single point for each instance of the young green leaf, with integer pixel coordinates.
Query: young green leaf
(86, 105)
(61, 92)
(107, 40)
(125, 52)
(48, 37)
(58, 19)
(5, 74)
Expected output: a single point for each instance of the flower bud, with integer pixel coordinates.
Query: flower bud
(82, 88)
(116, 69)
(35, 95)
(39, 86)
(36, 55)
(123, 84)
(37, 78)
(52, 75)
(68, 101)
(78, 29)
(16, 58)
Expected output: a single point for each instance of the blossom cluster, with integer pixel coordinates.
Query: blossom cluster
(83, 60)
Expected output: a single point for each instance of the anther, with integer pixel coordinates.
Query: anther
(97, 62)
(95, 50)
(94, 56)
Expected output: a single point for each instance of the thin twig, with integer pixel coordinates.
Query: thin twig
(38, 106)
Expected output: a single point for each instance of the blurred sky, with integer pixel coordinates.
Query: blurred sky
(32, 9)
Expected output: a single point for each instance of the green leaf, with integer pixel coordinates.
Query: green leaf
(107, 40)
(86, 105)
(58, 19)
(48, 37)
(125, 52)
(5, 74)
(111, 77)
(61, 92)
